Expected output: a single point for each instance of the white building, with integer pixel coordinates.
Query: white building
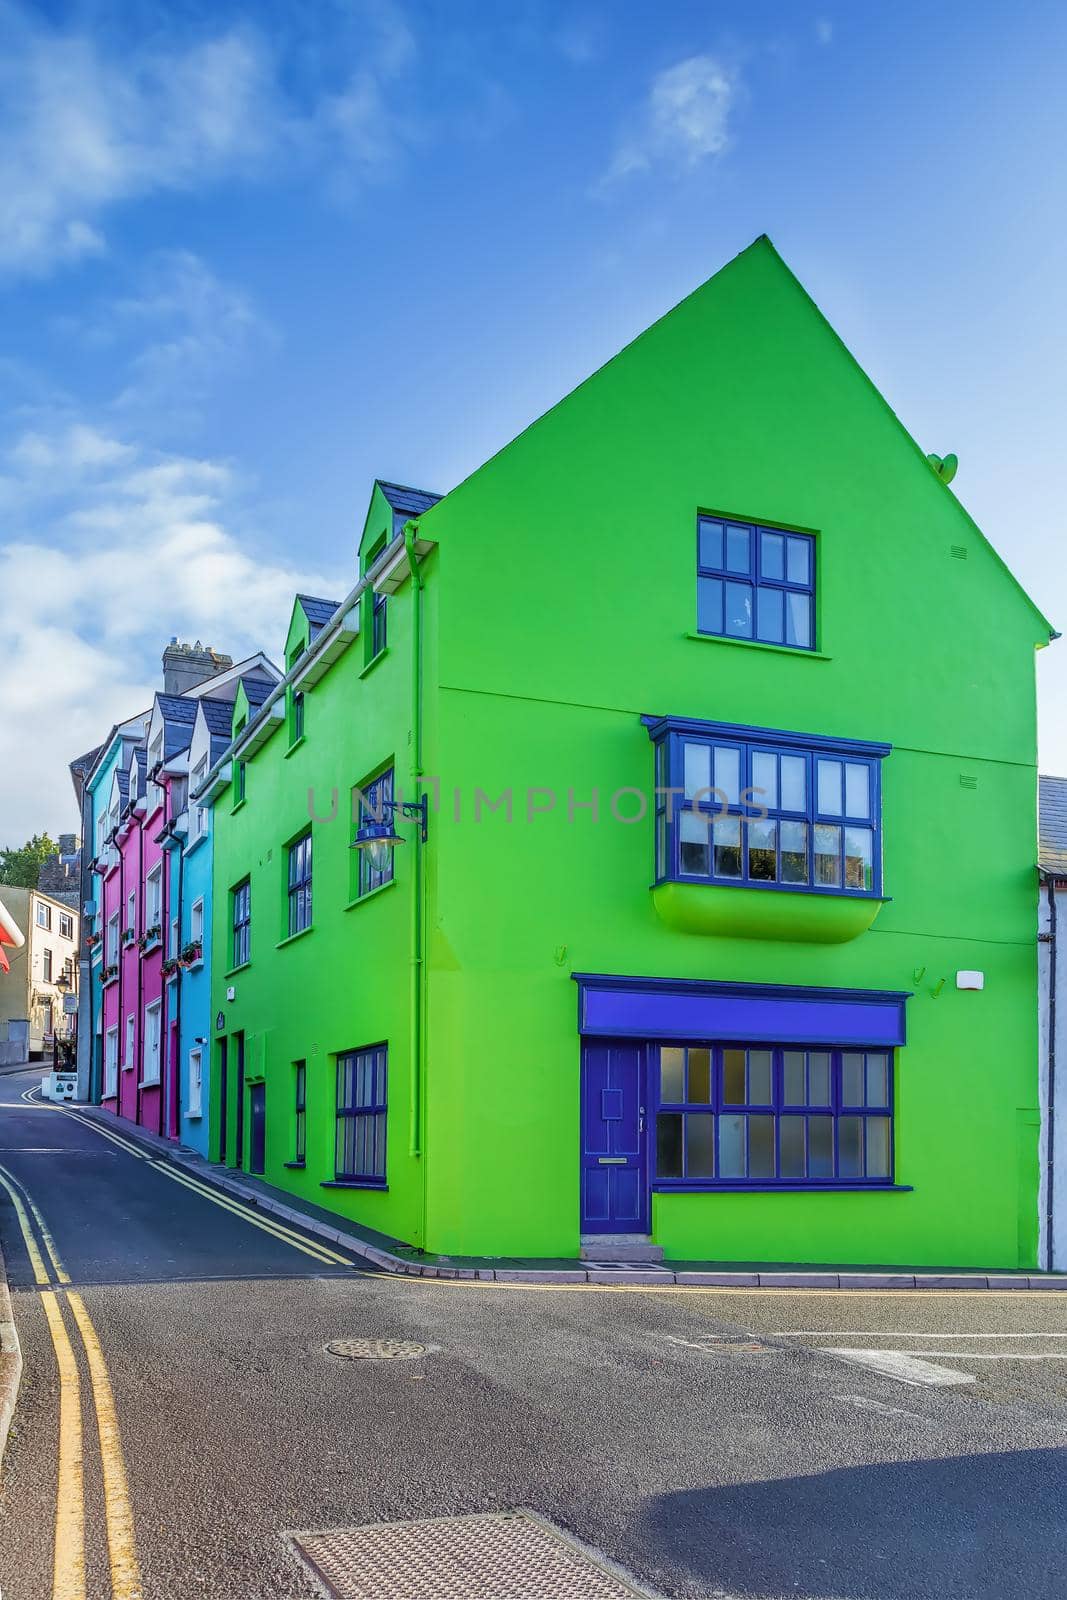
(1052, 977)
(43, 969)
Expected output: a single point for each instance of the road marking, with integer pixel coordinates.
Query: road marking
(49, 1242)
(871, 1333)
(68, 1563)
(122, 1547)
(40, 1271)
(862, 1403)
(284, 1235)
(998, 1355)
(901, 1367)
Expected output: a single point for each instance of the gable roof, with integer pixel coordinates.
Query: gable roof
(218, 714)
(257, 689)
(318, 612)
(1052, 825)
(412, 501)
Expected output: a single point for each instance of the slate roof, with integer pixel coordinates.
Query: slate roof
(122, 776)
(1052, 824)
(218, 714)
(257, 689)
(318, 612)
(176, 708)
(411, 501)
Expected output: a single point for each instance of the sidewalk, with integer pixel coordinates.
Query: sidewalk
(391, 1255)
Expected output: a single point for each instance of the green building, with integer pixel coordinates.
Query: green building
(702, 720)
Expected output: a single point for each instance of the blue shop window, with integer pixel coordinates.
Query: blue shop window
(755, 583)
(759, 808)
(736, 1115)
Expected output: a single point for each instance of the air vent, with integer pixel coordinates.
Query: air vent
(958, 552)
(968, 780)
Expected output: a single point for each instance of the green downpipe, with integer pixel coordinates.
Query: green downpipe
(417, 956)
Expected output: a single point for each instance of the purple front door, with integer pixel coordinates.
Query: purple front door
(614, 1187)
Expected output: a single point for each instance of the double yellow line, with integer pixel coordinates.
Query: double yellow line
(278, 1230)
(68, 1565)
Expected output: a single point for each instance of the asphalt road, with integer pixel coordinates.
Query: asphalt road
(704, 1439)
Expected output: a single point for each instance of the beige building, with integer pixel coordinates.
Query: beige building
(42, 969)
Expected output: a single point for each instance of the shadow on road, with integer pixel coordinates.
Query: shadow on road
(975, 1527)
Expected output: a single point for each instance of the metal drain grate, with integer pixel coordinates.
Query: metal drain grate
(375, 1349)
(510, 1555)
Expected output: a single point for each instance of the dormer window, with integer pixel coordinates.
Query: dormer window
(755, 583)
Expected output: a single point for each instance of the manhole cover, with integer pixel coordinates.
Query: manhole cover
(375, 1349)
(509, 1555)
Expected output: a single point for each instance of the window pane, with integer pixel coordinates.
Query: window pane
(669, 1144)
(877, 1147)
(733, 1077)
(819, 1078)
(820, 1147)
(794, 783)
(697, 769)
(857, 790)
(739, 610)
(693, 833)
(793, 1147)
(728, 773)
(794, 852)
(671, 1075)
(726, 833)
(762, 857)
(850, 1147)
(709, 605)
(798, 565)
(765, 779)
(661, 843)
(827, 854)
(731, 1147)
(877, 1081)
(699, 1086)
(769, 615)
(851, 1079)
(772, 555)
(859, 872)
(829, 788)
(793, 1087)
(761, 1147)
(738, 548)
(700, 1146)
(711, 544)
(798, 619)
(759, 1077)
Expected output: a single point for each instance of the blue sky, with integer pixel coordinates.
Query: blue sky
(252, 257)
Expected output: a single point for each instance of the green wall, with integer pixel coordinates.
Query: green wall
(560, 604)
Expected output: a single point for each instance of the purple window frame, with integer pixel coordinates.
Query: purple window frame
(837, 1109)
(670, 735)
(242, 923)
(362, 1116)
(765, 587)
(375, 796)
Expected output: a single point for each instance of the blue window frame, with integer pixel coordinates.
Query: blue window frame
(371, 809)
(739, 1115)
(760, 808)
(362, 1109)
(300, 885)
(755, 582)
(379, 624)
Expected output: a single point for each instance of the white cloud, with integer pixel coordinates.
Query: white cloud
(85, 126)
(684, 120)
(112, 551)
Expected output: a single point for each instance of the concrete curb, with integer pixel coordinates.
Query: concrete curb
(10, 1360)
(594, 1273)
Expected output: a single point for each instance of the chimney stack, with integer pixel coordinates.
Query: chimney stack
(187, 665)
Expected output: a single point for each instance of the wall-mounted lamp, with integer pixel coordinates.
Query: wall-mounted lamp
(377, 835)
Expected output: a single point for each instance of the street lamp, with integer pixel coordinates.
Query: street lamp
(377, 835)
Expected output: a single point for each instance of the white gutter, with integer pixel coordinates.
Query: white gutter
(387, 573)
